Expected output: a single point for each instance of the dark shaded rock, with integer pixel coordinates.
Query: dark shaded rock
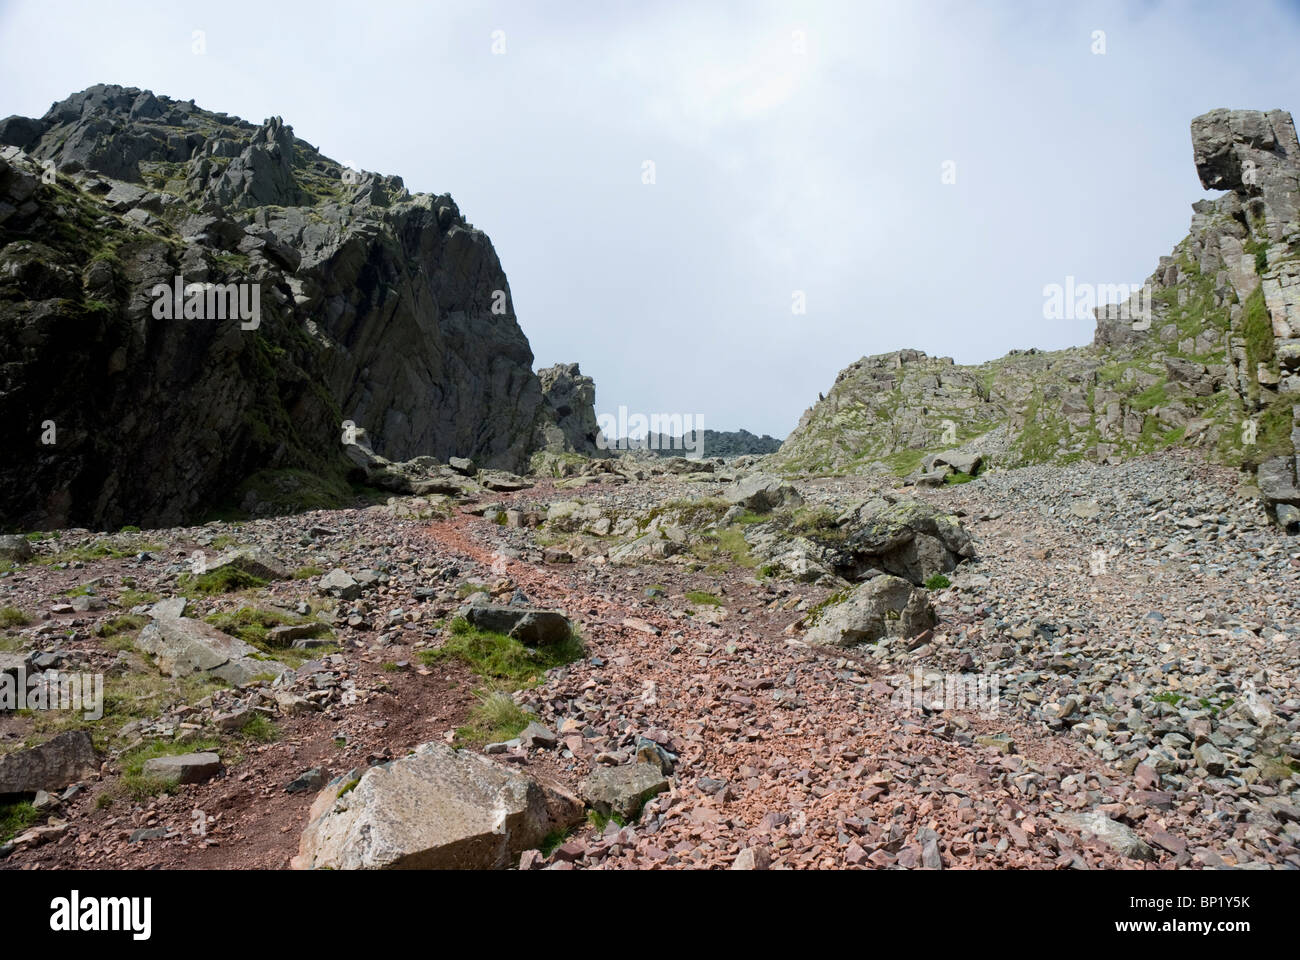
(52, 766)
(536, 628)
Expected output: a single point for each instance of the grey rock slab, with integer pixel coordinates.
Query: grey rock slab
(51, 766)
(438, 808)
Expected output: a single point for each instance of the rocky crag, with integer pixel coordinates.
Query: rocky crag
(376, 306)
(1215, 365)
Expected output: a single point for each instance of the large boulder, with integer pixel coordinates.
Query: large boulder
(762, 493)
(53, 765)
(906, 538)
(254, 561)
(530, 626)
(884, 606)
(15, 548)
(181, 646)
(438, 808)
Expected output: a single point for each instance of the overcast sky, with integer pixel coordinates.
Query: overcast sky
(777, 169)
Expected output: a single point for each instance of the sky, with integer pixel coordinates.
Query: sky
(667, 184)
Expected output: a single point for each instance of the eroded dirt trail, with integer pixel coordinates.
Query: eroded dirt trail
(798, 752)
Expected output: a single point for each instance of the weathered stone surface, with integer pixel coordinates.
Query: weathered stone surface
(623, 790)
(762, 493)
(883, 606)
(254, 561)
(53, 765)
(1123, 840)
(185, 767)
(15, 548)
(181, 646)
(438, 808)
(568, 420)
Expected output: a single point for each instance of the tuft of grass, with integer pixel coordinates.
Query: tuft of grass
(496, 717)
(957, 477)
(306, 573)
(501, 658)
(222, 580)
(703, 599)
(13, 617)
(600, 821)
(135, 598)
(15, 818)
(260, 729)
(937, 582)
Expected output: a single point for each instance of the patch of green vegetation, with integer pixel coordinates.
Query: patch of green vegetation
(99, 550)
(702, 598)
(13, 617)
(136, 598)
(254, 624)
(1152, 396)
(1257, 331)
(259, 729)
(903, 462)
(222, 580)
(1170, 697)
(15, 818)
(937, 582)
(600, 821)
(495, 718)
(957, 477)
(123, 624)
(307, 572)
(501, 658)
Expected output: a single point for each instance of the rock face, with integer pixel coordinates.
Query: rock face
(1220, 315)
(568, 423)
(52, 766)
(438, 808)
(375, 306)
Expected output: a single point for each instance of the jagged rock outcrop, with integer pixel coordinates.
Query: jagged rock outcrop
(374, 306)
(568, 423)
(1207, 355)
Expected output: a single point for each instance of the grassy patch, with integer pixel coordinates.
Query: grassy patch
(937, 582)
(495, 718)
(13, 617)
(501, 658)
(136, 598)
(15, 818)
(702, 599)
(957, 477)
(222, 580)
(254, 624)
